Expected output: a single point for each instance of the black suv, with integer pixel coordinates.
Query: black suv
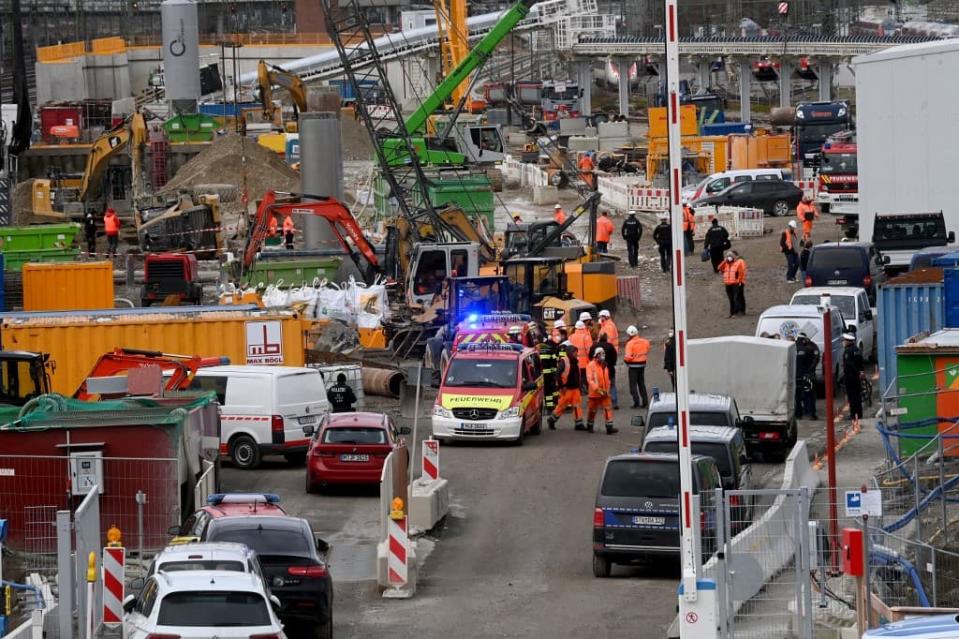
(846, 264)
(294, 568)
(774, 197)
(637, 513)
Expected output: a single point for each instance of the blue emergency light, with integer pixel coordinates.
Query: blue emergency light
(655, 393)
(242, 498)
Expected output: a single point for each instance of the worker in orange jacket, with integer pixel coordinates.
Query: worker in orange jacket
(807, 213)
(111, 224)
(288, 229)
(559, 215)
(604, 232)
(583, 342)
(637, 352)
(567, 372)
(586, 168)
(597, 380)
(608, 328)
(272, 229)
(734, 278)
(689, 227)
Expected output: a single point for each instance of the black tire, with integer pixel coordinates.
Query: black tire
(311, 488)
(295, 459)
(326, 630)
(781, 208)
(602, 567)
(538, 428)
(245, 452)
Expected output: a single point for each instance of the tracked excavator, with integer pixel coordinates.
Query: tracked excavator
(270, 75)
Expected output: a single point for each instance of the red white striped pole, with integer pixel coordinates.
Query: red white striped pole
(398, 544)
(114, 560)
(689, 540)
(431, 459)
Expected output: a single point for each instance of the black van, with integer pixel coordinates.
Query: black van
(637, 513)
(846, 264)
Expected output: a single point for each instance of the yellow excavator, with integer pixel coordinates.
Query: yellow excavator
(52, 198)
(268, 76)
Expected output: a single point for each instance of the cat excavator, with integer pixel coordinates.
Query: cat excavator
(268, 76)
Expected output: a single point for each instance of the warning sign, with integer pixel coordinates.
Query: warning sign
(264, 343)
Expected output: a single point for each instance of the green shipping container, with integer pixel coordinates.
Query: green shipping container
(38, 237)
(293, 272)
(190, 127)
(472, 192)
(14, 260)
(928, 387)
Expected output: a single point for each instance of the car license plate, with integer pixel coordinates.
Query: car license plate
(474, 426)
(354, 458)
(837, 282)
(309, 419)
(648, 521)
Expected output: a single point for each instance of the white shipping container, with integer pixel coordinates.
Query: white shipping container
(907, 124)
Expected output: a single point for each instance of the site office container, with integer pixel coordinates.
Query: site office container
(67, 286)
(906, 306)
(928, 387)
(75, 340)
(51, 116)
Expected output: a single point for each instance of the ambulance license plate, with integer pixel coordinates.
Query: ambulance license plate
(474, 426)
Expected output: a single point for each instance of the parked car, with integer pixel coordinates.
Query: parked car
(774, 197)
(202, 604)
(705, 409)
(206, 556)
(264, 409)
(720, 181)
(898, 237)
(294, 564)
(350, 448)
(853, 303)
(637, 508)
(846, 264)
(226, 505)
(787, 321)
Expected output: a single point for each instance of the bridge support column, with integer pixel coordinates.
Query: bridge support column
(584, 72)
(824, 71)
(703, 75)
(785, 82)
(745, 90)
(622, 65)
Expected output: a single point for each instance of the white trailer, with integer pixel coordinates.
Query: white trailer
(907, 131)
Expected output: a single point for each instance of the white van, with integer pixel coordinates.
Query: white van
(719, 181)
(788, 321)
(264, 409)
(853, 302)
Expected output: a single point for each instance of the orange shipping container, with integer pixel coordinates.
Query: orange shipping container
(67, 286)
(75, 341)
(688, 125)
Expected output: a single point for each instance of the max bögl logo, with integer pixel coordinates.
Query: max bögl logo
(264, 342)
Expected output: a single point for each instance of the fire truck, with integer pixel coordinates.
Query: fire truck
(839, 176)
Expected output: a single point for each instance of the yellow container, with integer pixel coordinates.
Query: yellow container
(688, 125)
(75, 342)
(67, 286)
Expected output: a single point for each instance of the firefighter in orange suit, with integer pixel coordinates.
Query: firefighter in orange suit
(597, 380)
(567, 371)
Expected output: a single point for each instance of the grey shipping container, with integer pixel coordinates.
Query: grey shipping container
(907, 305)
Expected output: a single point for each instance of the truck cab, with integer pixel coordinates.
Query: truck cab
(560, 100)
(431, 264)
(898, 237)
(839, 179)
(814, 123)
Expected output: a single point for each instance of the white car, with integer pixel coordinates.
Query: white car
(787, 321)
(206, 555)
(203, 604)
(853, 302)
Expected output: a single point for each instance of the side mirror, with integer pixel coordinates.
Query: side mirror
(743, 421)
(886, 259)
(529, 386)
(638, 421)
(276, 602)
(868, 314)
(404, 430)
(308, 430)
(173, 530)
(744, 459)
(129, 602)
(322, 546)
(951, 238)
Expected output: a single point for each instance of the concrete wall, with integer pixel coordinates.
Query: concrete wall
(108, 76)
(61, 81)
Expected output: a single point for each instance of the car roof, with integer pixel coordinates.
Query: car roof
(490, 354)
(234, 505)
(272, 371)
(216, 580)
(653, 457)
(284, 523)
(833, 245)
(791, 310)
(204, 550)
(942, 626)
(696, 433)
(366, 419)
(696, 400)
(831, 290)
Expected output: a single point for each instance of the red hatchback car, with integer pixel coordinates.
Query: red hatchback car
(349, 448)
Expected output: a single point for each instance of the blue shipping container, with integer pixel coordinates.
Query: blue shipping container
(950, 298)
(219, 109)
(726, 128)
(909, 304)
(346, 89)
(947, 260)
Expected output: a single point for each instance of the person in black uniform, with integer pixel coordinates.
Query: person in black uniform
(669, 357)
(663, 236)
(807, 359)
(852, 371)
(632, 233)
(717, 241)
(548, 352)
(341, 396)
(90, 232)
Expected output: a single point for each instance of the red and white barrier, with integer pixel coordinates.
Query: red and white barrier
(114, 560)
(431, 459)
(398, 543)
(628, 289)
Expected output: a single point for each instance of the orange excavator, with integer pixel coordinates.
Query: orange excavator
(181, 368)
(342, 222)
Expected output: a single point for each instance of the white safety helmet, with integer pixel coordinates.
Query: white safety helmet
(580, 324)
(632, 331)
(585, 316)
(514, 330)
(792, 224)
(559, 324)
(566, 343)
(558, 206)
(599, 352)
(605, 313)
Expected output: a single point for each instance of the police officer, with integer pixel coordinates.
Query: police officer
(632, 232)
(852, 371)
(548, 349)
(663, 236)
(341, 396)
(807, 358)
(90, 231)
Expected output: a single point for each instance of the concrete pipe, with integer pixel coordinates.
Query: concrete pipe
(384, 382)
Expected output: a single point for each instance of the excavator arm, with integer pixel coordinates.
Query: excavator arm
(108, 146)
(267, 76)
(182, 368)
(333, 211)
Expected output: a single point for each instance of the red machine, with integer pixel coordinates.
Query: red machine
(341, 221)
(169, 275)
(182, 367)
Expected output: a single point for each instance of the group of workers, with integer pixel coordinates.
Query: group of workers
(111, 228)
(797, 250)
(289, 228)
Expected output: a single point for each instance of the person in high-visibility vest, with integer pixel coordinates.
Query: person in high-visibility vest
(586, 168)
(111, 224)
(788, 245)
(604, 232)
(608, 327)
(559, 215)
(288, 229)
(807, 212)
(734, 278)
(637, 353)
(689, 227)
(567, 371)
(273, 226)
(597, 381)
(583, 342)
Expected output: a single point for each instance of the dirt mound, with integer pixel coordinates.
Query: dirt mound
(355, 139)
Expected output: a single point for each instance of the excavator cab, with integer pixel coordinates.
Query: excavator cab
(521, 237)
(24, 375)
(431, 264)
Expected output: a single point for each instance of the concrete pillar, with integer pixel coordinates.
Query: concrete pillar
(585, 72)
(703, 74)
(824, 71)
(785, 82)
(745, 90)
(321, 172)
(623, 66)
